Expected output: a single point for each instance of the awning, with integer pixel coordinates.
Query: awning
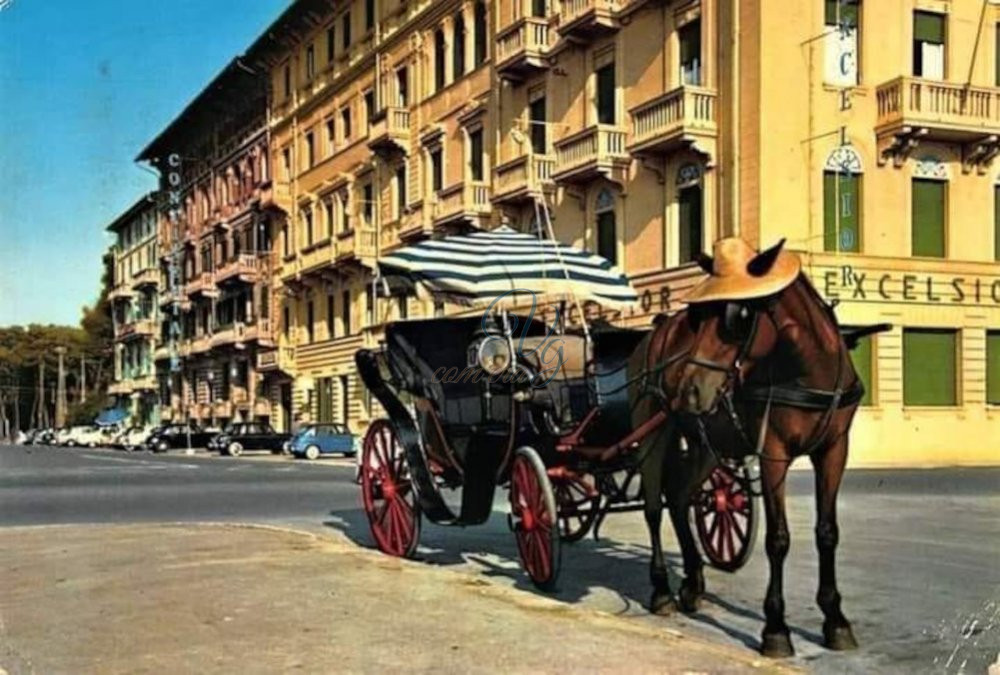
(110, 417)
(480, 267)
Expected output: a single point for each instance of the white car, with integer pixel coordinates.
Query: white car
(135, 437)
(93, 437)
(70, 436)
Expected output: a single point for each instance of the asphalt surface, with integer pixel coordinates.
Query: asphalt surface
(919, 558)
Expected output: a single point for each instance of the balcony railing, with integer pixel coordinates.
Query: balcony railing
(586, 19)
(121, 292)
(938, 106)
(281, 358)
(245, 267)
(522, 47)
(356, 244)
(594, 151)
(390, 131)
(673, 120)
(203, 284)
(137, 328)
(147, 277)
(522, 178)
(468, 200)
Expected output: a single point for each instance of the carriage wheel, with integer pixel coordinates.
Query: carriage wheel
(534, 518)
(726, 518)
(578, 503)
(388, 494)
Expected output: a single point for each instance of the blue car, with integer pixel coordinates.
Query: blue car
(323, 439)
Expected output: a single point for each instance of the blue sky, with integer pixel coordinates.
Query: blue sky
(83, 87)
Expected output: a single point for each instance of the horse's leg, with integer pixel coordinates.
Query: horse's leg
(829, 467)
(662, 601)
(775, 641)
(681, 480)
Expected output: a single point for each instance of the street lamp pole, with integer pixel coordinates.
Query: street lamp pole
(61, 389)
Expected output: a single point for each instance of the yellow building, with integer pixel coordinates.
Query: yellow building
(134, 310)
(643, 130)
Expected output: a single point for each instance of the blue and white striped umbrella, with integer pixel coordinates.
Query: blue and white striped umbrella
(482, 266)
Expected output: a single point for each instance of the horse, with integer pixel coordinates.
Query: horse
(778, 368)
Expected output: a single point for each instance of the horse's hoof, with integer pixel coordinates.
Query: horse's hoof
(839, 638)
(690, 600)
(776, 645)
(662, 604)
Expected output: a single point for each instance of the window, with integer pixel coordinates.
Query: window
(928, 45)
(369, 14)
(330, 138)
(310, 147)
(841, 210)
(328, 215)
(369, 108)
(286, 323)
(324, 400)
(864, 365)
(330, 316)
(345, 311)
(369, 304)
(402, 88)
(400, 191)
(404, 306)
(345, 122)
(286, 162)
(841, 48)
(458, 48)
(538, 9)
(607, 238)
(345, 213)
(439, 56)
(437, 170)
(536, 118)
(993, 367)
(310, 62)
(690, 212)
(606, 105)
(286, 243)
(476, 159)
(310, 322)
(930, 374)
(345, 398)
(928, 215)
(690, 44)
(345, 31)
(480, 37)
(331, 41)
(368, 203)
(307, 224)
(288, 80)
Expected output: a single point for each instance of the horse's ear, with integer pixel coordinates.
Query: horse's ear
(705, 262)
(763, 261)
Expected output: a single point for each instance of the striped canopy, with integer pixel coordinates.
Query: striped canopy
(478, 268)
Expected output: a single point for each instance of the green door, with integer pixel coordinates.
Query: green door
(862, 356)
(929, 217)
(993, 367)
(841, 207)
(690, 221)
(930, 369)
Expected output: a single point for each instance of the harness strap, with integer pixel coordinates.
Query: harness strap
(804, 397)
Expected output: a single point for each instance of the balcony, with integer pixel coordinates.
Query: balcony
(597, 151)
(139, 328)
(522, 179)
(199, 345)
(277, 195)
(145, 383)
(356, 245)
(121, 292)
(161, 354)
(467, 201)
(675, 120)
(120, 388)
(245, 268)
(203, 285)
(279, 359)
(316, 256)
(410, 226)
(911, 110)
(522, 48)
(147, 277)
(390, 131)
(586, 20)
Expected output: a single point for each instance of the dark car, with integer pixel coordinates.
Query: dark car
(249, 436)
(174, 436)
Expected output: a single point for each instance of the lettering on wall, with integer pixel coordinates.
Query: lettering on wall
(848, 284)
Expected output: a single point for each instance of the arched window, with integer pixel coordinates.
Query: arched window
(479, 38)
(607, 234)
(439, 57)
(842, 200)
(690, 215)
(458, 48)
(929, 199)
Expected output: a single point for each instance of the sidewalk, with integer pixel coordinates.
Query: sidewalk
(170, 598)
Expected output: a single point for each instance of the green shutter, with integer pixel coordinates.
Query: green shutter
(606, 95)
(930, 372)
(690, 222)
(606, 237)
(993, 367)
(843, 234)
(928, 217)
(928, 27)
(848, 12)
(862, 357)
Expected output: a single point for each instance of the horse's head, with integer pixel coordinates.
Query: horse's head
(730, 337)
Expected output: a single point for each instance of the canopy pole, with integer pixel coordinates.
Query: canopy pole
(562, 263)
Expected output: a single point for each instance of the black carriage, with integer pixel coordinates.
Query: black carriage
(500, 400)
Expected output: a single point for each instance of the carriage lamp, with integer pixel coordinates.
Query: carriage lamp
(494, 355)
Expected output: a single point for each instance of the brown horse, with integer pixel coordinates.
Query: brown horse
(780, 364)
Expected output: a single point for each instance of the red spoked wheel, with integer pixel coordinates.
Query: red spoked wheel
(726, 516)
(534, 518)
(578, 502)
(389, 497)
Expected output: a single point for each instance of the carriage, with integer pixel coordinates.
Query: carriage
(504, 400)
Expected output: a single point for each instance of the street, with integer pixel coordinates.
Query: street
(917, 568)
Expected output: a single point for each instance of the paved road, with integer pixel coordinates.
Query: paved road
(920, 574)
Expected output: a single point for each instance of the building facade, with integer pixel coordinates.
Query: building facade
(135, 310)
(216, 362)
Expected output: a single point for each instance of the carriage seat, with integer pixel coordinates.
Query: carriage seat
(571, 350)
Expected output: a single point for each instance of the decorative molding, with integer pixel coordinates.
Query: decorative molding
(930, 167)
(844, 159)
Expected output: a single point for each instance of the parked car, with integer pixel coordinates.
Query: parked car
(322, 439)
(250, 436)
(45, 437)
(134, 438)
(174, 436)
(94, 437)
(70, 436)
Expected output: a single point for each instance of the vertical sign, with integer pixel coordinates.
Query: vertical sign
(174, 218)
